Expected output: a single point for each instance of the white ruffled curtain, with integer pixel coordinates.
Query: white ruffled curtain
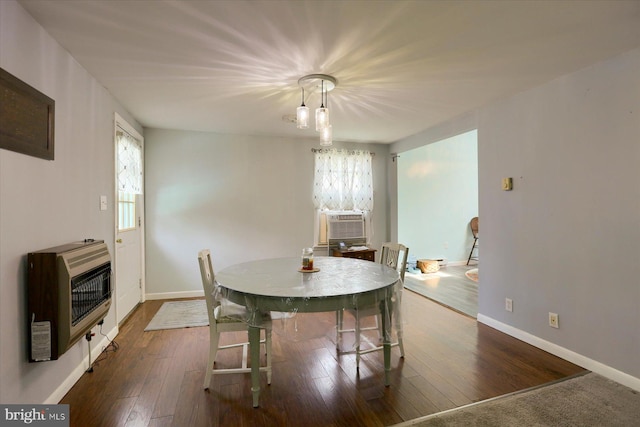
(129, 163)
(343, 180)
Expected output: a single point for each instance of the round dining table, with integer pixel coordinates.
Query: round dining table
(337, 283)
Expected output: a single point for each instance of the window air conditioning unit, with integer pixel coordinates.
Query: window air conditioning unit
(346, 226)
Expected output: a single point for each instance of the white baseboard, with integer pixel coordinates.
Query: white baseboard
(566, 354)
(173, 295)
(73, 378)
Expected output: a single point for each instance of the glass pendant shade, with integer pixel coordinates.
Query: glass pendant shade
(302, 117)
(322, 118)
(318, 85)
(326, 136)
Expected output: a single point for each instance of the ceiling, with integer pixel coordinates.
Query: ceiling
(402, 66)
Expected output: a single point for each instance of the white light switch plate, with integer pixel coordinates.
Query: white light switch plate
(103, 203)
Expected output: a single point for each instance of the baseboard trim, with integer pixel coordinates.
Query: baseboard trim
(174, 295)
(75, 375)
(566, 354)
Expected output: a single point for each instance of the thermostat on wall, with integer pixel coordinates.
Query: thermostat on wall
(507, 184)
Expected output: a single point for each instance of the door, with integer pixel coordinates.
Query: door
(129, 253)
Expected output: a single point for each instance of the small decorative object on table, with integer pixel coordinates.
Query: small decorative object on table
(307, 259)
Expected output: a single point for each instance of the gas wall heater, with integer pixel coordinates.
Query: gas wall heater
(69, 292)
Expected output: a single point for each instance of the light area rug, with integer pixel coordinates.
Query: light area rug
(180, 314)
(472, 274)
(586, 400)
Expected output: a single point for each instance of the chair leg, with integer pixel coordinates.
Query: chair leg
(378, 320)
(339, 327)
(471, 252)
(267, 333)
(214, 338)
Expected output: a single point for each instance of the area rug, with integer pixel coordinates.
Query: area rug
(180, 314)
(472, 274)
(586, 400)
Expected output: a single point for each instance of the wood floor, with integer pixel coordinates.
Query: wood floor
(155, 378)
(448, 286)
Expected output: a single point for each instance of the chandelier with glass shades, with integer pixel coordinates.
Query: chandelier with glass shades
(313, 83)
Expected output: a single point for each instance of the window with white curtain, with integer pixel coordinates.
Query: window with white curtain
(343, 181)
(129, 163)
(129, 178)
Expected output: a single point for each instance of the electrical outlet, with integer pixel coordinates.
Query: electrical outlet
(508, 304)
(554, 322)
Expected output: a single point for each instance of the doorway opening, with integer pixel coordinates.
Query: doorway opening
(437, 197)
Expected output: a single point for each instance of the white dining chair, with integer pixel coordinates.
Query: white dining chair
(228, 317)
(393, 255)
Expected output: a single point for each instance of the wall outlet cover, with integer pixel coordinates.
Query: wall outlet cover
(554, 320)
(508, 304)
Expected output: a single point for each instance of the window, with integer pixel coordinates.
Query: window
(343, 181)
(126, 211)
(129, 163)
(129, 178)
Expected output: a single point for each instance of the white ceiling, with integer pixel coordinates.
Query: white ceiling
(402, 66)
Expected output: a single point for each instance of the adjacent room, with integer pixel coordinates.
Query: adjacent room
(437, 199)
(303, 178)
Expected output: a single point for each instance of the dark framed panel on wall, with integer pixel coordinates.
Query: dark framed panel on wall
(27, 118)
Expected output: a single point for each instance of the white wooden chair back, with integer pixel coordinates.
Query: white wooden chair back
(395, 255)
(208, 284)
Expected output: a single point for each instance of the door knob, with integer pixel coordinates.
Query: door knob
(119, 241)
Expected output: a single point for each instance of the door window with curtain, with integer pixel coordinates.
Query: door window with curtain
(343, 181)
(129, 178)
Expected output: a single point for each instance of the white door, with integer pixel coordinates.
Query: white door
(129, 256)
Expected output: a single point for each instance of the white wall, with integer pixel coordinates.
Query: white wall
(48, 203)
(565, 239)
(437, 196)
(243, 197)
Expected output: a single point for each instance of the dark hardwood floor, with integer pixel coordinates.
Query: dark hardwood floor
(155, 378)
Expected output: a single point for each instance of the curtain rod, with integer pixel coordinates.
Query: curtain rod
(325, 150)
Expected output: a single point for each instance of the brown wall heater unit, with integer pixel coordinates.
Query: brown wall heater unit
(69, 292)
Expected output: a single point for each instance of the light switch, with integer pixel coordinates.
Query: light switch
(507, 184)
(103, 203)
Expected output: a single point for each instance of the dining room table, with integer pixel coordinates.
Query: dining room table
(280, 285)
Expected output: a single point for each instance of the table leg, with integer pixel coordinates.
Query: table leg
(385, 311)
(254, 348)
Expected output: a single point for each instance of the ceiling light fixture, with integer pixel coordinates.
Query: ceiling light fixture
(326, 136)
(322, 112)
(325, 84)
(302, 114)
